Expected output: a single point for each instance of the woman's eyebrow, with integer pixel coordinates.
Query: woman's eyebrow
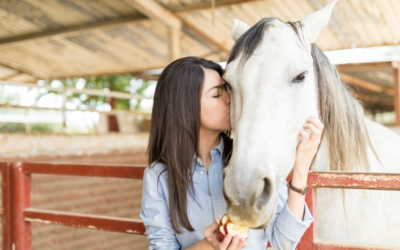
(215, 87)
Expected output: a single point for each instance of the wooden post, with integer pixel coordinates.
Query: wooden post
(63, 110)
(112, 119)
(396, 88)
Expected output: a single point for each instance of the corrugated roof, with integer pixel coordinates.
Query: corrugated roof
(64, 38)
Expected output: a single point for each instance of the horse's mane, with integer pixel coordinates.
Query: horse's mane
(339, 111)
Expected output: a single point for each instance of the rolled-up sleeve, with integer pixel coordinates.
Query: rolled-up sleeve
(286, 230)
(155, 212)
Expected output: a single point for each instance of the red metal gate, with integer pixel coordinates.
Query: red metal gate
(348, 180)
(5, 169)
(17, 183)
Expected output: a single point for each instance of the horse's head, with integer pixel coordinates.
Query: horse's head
(273, 92)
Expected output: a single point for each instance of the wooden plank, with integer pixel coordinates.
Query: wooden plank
(390, 19)
(154, 10)
(203, 5)
(138, 51)
(9, 59)
(7, 72)
(59, 34)
(192, 24)
(396, 66)
(363, 66)
(363, 17)
(383, 23)
(373, 99)
(22, 77)
(366, 85)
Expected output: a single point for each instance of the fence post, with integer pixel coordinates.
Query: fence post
(22, 236)
(307, 241)
(6, 207)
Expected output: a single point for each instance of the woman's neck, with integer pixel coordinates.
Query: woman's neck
(208, 140)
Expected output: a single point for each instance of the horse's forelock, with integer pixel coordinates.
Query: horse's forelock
(247, 43)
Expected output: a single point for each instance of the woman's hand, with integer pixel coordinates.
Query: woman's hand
(304, 154)
(308, 147)
(211, 234)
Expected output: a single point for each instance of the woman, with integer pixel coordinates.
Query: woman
(189, 147)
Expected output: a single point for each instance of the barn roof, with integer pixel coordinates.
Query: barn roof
(46, 39)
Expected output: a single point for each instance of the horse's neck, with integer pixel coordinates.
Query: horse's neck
(385, 142)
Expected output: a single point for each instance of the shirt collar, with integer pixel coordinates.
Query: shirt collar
(220, 146)
(217, 149)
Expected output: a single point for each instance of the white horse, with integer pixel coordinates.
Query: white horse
(279, 77)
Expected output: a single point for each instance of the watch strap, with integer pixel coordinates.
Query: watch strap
(298, 190)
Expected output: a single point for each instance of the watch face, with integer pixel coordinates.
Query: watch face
(305, 190)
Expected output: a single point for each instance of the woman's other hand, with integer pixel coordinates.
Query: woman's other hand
(211, 234)
(308, 147)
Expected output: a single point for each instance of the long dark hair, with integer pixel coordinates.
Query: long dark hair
(175, 126)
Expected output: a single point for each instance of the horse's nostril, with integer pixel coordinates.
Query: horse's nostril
(264, 197)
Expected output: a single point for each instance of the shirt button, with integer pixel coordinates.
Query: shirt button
(198, 160)
(201, 172)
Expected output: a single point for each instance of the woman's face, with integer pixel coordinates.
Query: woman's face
(215, 103)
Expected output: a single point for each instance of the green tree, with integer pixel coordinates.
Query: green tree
(120, 83)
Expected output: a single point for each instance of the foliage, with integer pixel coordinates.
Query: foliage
(120, 83)
(13, 127)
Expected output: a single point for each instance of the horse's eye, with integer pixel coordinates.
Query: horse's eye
(299, 78)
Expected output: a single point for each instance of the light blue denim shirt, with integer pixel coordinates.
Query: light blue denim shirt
(284, 232)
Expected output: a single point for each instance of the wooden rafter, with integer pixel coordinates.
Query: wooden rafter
(155, 11)
(14, 41)
(218, 4)
(364, 66)
(365, 84)
(374, 99)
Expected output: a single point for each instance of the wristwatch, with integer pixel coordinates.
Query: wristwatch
(302, 191)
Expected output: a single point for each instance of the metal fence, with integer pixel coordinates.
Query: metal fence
(17, 213)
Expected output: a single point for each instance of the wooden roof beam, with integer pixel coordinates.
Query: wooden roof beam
(153, 10)
(218, 4)
(14, 41)
(363, 66)
(365, 84)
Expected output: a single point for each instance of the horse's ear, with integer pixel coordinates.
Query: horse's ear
(238, 29)
(315, 22)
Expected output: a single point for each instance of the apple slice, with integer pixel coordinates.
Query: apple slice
(233, 229)
(221, 233)
(224, 219)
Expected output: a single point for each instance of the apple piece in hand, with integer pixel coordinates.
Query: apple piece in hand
(224, 219)
(221, 233)
(233, 229)
(229, 227)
